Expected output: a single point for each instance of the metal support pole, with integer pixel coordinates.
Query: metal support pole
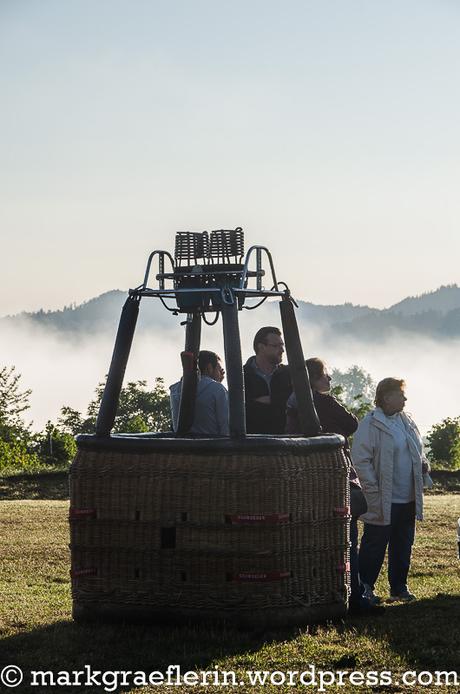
(193, 333)
(308, 417)
(259, 268)
(189, 373)
(109, 403)
(234, 366)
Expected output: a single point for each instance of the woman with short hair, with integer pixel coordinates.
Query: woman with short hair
(388, 456)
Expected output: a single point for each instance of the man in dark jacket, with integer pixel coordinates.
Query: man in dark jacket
(267, 384)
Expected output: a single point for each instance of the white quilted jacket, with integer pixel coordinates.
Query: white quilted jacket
(372, 454)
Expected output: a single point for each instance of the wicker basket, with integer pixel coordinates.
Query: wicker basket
(253, 531)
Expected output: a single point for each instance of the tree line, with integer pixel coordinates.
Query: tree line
(143, 409)
(22, 450)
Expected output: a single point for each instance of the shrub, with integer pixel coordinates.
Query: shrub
(15, 457)
(444, 443)
(54, 448)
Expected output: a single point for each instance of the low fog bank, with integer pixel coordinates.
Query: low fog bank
(61, 372)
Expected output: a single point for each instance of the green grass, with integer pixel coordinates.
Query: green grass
(37, 631)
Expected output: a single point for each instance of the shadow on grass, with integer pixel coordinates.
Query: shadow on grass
(70, 646)
(446, 481)
(424, 633)
(44, 485)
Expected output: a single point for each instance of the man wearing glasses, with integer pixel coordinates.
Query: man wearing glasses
(267, 384)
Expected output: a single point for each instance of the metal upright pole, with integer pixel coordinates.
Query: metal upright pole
(308, 417)
(189, 373)
(109, 403)
(193, 333)
(234, 366)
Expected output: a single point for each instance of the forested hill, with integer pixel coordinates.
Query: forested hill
(97, 314)
(443, 300)
(435, 315)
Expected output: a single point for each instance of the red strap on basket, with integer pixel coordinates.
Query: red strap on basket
(76, 573)
(249, 518)
(342, 510)
(77, 513)
(344, 568)
(259, 576)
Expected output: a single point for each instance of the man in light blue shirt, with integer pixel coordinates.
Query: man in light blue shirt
(211, 406)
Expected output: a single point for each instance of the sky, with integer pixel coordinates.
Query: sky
(327, 129)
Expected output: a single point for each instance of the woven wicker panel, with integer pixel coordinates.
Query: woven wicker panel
(209, 532)
(285, 537)
(180, 577)
(157, 487)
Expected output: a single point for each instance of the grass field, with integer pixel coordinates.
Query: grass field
(38, 634)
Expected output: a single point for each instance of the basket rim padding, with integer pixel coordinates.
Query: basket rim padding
(253, 443)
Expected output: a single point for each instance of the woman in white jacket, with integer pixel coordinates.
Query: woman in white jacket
(388, 457)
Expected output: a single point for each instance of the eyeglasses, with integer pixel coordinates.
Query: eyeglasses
(278, 345)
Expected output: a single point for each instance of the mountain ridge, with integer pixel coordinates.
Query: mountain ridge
(433, 314)
(446, 298)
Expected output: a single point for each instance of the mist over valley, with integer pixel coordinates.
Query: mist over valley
(62, 355)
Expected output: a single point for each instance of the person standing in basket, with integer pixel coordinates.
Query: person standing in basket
(267, 384)
(211, 405)
(388, 456)
(335, 419)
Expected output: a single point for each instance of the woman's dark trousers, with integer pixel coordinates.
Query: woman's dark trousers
(399, 538)
(356, 588)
